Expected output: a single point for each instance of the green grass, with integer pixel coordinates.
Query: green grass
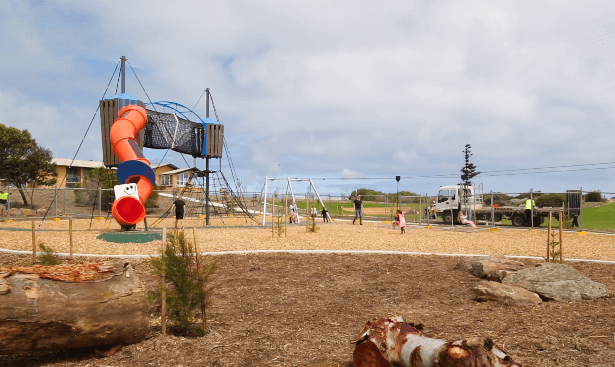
(600, 217)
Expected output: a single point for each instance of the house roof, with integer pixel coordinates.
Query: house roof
(181, 170)
(154, 166)
(77, 163)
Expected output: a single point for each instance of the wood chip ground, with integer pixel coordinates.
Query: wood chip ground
(304, 309)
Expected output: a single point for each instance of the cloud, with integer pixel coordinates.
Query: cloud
(329, 89)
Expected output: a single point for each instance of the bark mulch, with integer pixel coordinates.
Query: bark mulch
(304, 310)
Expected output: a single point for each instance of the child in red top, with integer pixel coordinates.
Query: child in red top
(401, 221)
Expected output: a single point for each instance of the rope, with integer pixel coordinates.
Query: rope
(80, 144)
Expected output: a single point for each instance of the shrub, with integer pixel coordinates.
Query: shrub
(550, 200)
(594, 197)
(185, 283)
(47, 258)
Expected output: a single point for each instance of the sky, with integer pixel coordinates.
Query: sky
(348, 93)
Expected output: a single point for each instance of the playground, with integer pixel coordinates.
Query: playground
(286, 309)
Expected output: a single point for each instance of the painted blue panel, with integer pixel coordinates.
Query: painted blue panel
(134, 167)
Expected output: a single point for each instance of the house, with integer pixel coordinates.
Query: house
(70, 175)
(181, 177)
(167, 175)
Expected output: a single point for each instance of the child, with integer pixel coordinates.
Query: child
(401, 221)
(463, 218)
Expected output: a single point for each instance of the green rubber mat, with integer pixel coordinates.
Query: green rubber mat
(131, 237)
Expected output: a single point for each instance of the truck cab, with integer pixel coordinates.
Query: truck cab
(451, 199)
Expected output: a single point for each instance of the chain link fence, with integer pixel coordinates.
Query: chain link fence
(583, 210)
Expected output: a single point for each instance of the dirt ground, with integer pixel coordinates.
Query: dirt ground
(305, 309)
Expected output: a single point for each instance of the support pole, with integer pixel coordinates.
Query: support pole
(163, 293)
(265, 200)
(8, 202)
(123, 73)
(207, 167)
(319, 199)
(294, 201)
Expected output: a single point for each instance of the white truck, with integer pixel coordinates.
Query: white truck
(451, 199)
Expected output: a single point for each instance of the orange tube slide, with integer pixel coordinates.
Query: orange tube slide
(127, 210)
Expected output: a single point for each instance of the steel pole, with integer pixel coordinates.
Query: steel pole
(123, 73)
(207, 166)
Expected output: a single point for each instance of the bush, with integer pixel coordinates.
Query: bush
(550, 200)
(47, 258)
(185, 283)
(594, 197)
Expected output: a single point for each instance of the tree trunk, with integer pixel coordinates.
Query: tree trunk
(70, 306)
(23, 196)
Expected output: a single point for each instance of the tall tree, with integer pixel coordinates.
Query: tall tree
(469, 169)
(23, 161)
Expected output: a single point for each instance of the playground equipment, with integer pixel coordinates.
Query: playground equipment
(134, 171)
(142, 125)
(292, 193)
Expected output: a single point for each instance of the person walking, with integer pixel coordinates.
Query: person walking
(401, 221)
(179, 211)
(325, 214)
(358, 210)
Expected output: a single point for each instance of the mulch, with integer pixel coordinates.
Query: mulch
(304, 310)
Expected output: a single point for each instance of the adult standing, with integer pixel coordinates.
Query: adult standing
(358, 210)
(179, 211)
(4, 197)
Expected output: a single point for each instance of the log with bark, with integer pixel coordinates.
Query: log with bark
(70, 306)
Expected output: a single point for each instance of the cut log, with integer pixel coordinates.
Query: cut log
(395, 342)
(70, 306)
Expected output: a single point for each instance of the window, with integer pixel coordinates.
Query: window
(182, 178)
(166, 180)
(72, 175)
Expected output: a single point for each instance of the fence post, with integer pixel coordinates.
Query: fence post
(549, 236)
(8, 202)
(55, 204)
(581, 210)
(64, 203)
(33, 242)
(532, 208)
(70, 236)
(99, 201)
(492, 209)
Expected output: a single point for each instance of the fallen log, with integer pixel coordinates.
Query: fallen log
(394, 342)
(70, 306)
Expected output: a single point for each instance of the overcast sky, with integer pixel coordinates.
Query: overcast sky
(334, 89)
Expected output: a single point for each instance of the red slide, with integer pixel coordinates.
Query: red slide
(134, 168)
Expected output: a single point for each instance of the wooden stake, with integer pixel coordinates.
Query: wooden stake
(70, 236)
(561, 247)
(33, 243)
(549, 238)
(163, 309)
(199, 269)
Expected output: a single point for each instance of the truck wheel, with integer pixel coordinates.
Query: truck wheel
(517, 220)
(497, 217)
(446, 217)
(538, 221)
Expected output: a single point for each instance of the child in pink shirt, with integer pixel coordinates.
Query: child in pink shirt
(401, 221)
